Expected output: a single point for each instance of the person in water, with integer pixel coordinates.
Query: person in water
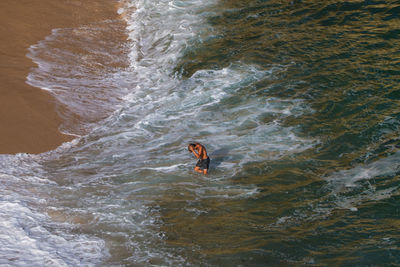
(200, 152)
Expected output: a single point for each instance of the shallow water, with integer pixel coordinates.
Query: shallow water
(296, 103)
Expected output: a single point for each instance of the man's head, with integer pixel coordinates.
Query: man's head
(191, 147)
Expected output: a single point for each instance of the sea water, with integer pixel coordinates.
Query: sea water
(297, 103)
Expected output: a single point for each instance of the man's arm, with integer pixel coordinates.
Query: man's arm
(196, 155)
(201, 151)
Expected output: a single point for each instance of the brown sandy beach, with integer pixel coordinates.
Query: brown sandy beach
(29, 122)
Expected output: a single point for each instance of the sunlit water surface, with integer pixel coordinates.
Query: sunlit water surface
(297, 103)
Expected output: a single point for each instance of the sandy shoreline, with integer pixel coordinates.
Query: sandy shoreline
(29, 121)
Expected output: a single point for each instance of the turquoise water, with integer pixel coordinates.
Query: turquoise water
(296, 102)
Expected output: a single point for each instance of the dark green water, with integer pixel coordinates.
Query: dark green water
(338, 202)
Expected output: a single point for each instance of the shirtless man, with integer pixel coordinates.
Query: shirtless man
(200, 152)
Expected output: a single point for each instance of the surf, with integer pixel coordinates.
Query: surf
(294, 152)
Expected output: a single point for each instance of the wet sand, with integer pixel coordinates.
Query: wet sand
(28, 117)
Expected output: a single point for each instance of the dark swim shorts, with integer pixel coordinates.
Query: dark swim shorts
(203, 163)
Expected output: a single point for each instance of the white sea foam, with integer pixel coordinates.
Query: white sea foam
(349, 178)
(26, 234)
(344, 182)
(348, 189)
(25, 241)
